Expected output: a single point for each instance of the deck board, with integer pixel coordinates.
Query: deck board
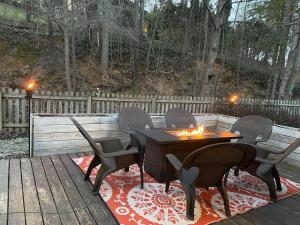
(51, 190)
(16, 214)
(96, 204)
(82, 212)
(31, 202)
(48, 206)
(4, 171)
(63, 205)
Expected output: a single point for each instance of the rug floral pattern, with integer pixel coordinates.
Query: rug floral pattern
(132, 205)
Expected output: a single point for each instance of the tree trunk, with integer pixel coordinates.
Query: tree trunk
(138, 24)
(104, 50)
(74, 65)
(67, 57)
(295, 72)
(238, 80)
(290, 60)
(205, 37)
(28, 9)
(214, 44)
(283, 46)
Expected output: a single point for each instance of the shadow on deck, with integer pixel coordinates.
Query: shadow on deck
(51, 190)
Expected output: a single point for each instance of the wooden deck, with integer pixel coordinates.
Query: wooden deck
(51, 190)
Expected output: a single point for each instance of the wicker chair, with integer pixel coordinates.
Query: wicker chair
(206, 167)
(111, 155)
(129, 120)
(180, 118)
(253, 128)
(265, 169)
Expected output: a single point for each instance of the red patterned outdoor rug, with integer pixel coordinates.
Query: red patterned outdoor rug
(132, 205)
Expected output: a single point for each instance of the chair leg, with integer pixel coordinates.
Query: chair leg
(190, 195)
(102, 173)
(268, 179)
(226, 177)
(170, 171)
(142, 175)
(126, 169)
(276, 176)
(224, 195)
(142, 154)
(95, 162)
(236, 171)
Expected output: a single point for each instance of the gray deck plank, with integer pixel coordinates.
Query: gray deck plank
(4, 171)
(289, 209)
(15, 204)
(63, 204)
(48, 207)
(296, 197)
(81, 209)
(239, 219)
(31, 202)
(95, 203)
(268, 212)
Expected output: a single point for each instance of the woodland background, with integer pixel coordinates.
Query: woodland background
(187, 47)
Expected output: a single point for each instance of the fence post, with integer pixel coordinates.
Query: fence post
(212, 104)
(1, 112)
(89, 104)
(153, 105)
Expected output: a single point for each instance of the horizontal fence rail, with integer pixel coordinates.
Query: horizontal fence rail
(14, 106)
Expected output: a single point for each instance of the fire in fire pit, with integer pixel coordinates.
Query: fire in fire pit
(190, 132)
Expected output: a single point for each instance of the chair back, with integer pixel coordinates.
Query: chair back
(251, 127)
(213, 161)
(292, 147)
(134, 118)
(97, 150)
(180, 118)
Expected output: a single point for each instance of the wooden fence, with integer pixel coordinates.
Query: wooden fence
(14, 105)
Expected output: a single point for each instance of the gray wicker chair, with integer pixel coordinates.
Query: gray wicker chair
(206, 167)
(253, 128)
(265, 169)
(111, 155)
(180, 118)
(130, 119)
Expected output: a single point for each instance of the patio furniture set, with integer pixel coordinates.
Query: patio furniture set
(198, 160)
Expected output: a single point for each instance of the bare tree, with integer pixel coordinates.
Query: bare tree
(295, 72)
(223, 6)
(283, 93)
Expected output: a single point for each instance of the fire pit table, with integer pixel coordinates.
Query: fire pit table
(160, 142)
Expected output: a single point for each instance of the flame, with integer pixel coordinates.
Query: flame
(233, 98)
(30, 85)
(197, 131)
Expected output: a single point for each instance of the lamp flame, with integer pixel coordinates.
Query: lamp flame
(233, 98)
(197, 131)
(30, 85)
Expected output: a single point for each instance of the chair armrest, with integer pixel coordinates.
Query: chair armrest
(99, 140)
(268, 150)
(129, 131)
(121, 153)
(266, 161)
(260, 141)
(174, 161)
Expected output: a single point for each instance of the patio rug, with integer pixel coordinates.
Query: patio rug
(132, 205)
